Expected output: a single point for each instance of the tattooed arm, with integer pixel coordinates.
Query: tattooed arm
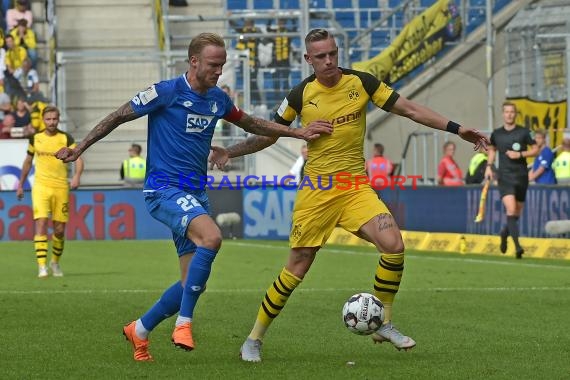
(263, 127)
(250, 145)
(123, 114)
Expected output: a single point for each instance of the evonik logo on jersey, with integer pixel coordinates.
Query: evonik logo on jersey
(197, 123)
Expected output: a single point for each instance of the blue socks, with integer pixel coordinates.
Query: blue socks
(176, 298)
(167, 305)
(196, 279)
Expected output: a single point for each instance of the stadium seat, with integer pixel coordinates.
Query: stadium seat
(341, 4)
(262, 4)
(394, 3)
(317, 4)
(368, 3)
(426, 3)
(380, 38)
(237, 4)
(289, 4)
(499, 4)
(369, 18)
(345, 19)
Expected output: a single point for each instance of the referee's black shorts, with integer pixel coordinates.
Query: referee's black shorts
(513, 185)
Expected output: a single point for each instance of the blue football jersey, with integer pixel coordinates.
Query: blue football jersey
(181, 124)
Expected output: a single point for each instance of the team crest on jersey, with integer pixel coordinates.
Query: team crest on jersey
(353, 95)
(197, 123)
(516, 146)
(214, 107)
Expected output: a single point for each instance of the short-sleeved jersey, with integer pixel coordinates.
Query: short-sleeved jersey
(379, 166)
(344, 105)
(50, 171)
(517, 139)
(181, 124)
(545, 159)
(449, 172)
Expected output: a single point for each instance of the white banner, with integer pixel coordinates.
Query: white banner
(12, 155)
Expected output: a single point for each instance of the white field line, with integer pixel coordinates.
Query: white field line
(412, 256)
(304, 290)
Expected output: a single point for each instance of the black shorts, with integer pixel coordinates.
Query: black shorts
(516, 186)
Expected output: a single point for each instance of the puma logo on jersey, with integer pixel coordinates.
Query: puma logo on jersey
(197, 123)
(315, 103)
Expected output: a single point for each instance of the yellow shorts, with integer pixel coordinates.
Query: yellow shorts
(317, 212)
(52, 201)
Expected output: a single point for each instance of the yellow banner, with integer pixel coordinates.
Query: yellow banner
(547, 248)
(420, 40)
(542, 115)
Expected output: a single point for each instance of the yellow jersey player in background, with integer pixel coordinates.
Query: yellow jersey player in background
(340, 96)
(50, 192)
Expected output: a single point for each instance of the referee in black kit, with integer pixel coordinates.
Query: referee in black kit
(514, 144)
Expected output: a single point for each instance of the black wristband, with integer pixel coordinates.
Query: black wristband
(452, 127)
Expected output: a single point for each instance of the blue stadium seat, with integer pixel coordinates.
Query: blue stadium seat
(394, 3)
(345, 19)
(499, 4)
(368, 3)
(237, 4)
(289, 4)
(365, 21)
(317, 4)
(262, 4)
(477, 3)
(426, 3)
(341, 4)
(380, 38)
(295, 76)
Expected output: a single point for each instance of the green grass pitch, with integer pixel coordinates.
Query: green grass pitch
(473, 317)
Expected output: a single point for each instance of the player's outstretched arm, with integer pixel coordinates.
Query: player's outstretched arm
(263, 127)
(430, 118)
(123, 114)
(220, 156)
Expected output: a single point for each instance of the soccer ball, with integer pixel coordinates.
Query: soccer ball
(363, 314)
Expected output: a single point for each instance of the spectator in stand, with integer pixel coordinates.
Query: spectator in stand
(133, 169)
(379, 167)
(477, 165)
(20, 11)
(541, 171)
(561, 164)
(2, 59)
(7, 126)
(5, 105)
(448, 172)
(250, 43)
(37, 108)
(281, 51)
(25, 37)
(15, 57)
(23, 118)
(30, 82)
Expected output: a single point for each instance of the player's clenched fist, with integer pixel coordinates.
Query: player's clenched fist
(67, 154)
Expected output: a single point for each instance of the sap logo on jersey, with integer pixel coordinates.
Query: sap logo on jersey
(197, 123)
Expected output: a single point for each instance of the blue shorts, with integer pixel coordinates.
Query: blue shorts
(176, 209)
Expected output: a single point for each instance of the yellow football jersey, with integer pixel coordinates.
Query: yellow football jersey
(345, 106)
(50, 171)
